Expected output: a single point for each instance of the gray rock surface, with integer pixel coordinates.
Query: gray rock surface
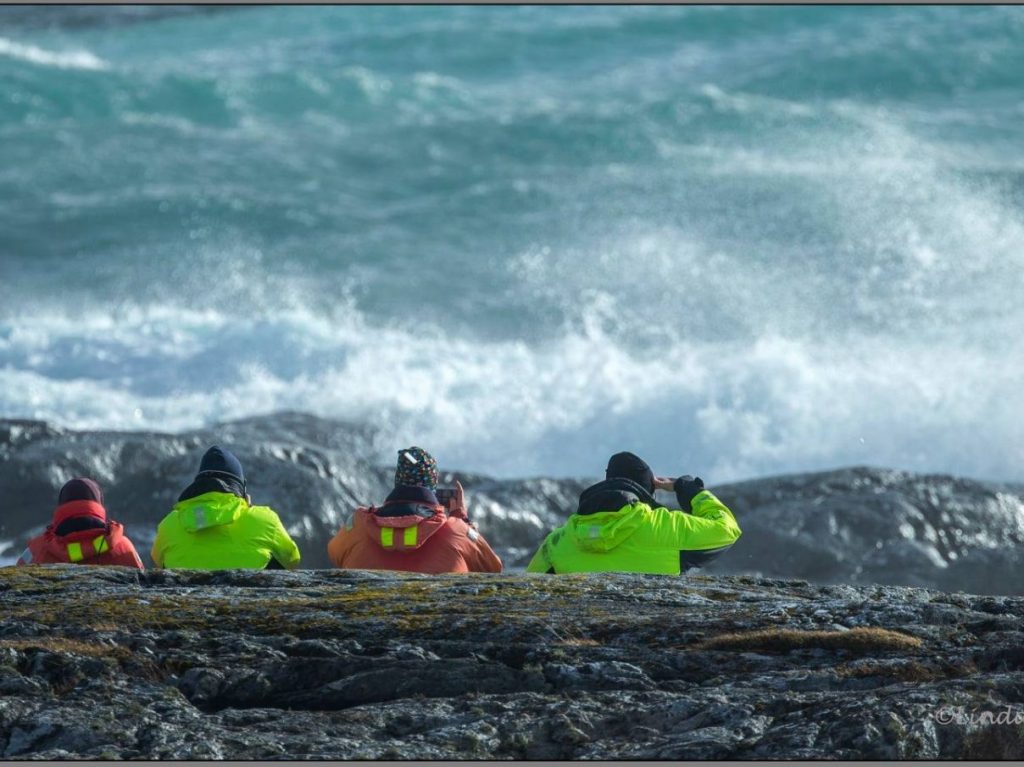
(112, 663)
(856, 525)
(863, 525)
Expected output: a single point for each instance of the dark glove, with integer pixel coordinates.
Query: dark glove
(686, 488)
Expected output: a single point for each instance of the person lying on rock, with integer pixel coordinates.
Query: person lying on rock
(80, 532)
(620, 527)
(412, 530)
(214, 525)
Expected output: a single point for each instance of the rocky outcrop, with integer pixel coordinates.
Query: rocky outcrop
(855, 525)
(865, 525)
(111, 663)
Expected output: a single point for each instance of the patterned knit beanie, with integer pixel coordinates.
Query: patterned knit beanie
(416, 467)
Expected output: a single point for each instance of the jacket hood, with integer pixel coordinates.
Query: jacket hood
(90, 543)
(209, 484)
(604, 530)
(612, 495)
(78, 509)
(402, 526)
(209, 510)
(412, 494)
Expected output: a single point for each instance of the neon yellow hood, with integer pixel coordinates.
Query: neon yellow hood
(605, 530)
(209, 510)
(220, 531)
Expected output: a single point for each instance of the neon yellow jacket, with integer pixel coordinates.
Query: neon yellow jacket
(638, 539)
(220, 531)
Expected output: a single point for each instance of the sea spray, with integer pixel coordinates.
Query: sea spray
(739, 241)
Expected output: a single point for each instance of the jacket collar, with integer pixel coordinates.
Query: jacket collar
(612, 495)
(205, 483)
(412, 494)
(73, 509)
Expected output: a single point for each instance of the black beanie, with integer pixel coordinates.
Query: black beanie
(80, 489)
(631, 467)
(218, 461)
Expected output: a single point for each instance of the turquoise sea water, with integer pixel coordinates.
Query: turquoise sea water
(735, 240)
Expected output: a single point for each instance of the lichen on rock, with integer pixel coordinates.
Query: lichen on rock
(114, 663)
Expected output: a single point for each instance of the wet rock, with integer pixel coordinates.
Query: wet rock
(367, 665)
(201, 685)
(863, 525)
(602, 675)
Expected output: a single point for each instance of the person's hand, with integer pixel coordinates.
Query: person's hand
(686, 488)
(458, 508)
(663, 483)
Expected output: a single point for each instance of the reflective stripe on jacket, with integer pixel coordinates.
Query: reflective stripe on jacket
(421, 544)
(105, 544)
(220, 531)
(637, 538)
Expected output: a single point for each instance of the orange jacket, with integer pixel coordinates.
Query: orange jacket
(427, 541)
(106, 545)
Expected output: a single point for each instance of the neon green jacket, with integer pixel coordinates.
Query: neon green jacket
(638, 539)
(220, 531)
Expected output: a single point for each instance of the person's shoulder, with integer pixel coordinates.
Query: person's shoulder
(559, 529)
(36, 541)
(460, 528)
(35, 549)
(360, 518)
(264, 513)
(118, 528)
(351, 521)
(653, 515)
(457, 525)
(170, 517)
(120, 541)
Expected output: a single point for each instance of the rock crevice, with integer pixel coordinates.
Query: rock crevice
(109, 663)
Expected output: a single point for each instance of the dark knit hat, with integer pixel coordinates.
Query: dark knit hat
(80, 489)
(631, 467)
(416, 468)
(220, 462)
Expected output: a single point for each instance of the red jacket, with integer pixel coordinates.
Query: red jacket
(96, 546)
(414, 543)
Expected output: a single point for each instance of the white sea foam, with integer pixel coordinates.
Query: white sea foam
(717, 362)
(7, 561)
(733, 267)
(727, 410)
(59, 59)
